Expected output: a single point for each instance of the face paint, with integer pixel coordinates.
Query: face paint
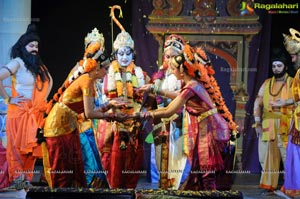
(124, 56)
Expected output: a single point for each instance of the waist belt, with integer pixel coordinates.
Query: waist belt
(206, 114)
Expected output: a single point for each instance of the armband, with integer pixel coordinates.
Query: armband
(10, 72)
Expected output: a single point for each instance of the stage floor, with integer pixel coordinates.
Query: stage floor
(245, 186)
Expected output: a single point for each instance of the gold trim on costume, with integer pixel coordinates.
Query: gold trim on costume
(206, 114)
(60, 122)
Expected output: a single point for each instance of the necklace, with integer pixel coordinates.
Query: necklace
(279, 90)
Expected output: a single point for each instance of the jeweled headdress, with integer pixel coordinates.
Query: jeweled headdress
(94, 36)
(123, 39)
(174, 41)
(94, 41)
(292, 42)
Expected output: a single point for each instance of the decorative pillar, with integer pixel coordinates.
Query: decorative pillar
(15, 15)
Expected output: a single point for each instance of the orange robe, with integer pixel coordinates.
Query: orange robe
(21, 127)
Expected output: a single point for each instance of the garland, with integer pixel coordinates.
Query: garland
(134, 79)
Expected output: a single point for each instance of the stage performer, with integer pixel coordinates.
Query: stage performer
(31, 85)
(164, 84)
(95, 175)
(62, 156)
(205, 132)
(121, 143)
(291, 186)
(272, 112)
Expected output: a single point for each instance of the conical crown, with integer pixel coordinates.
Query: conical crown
(123, 39)
(94, 36)
(292, 42)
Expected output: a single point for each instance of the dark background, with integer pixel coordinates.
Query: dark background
(63, 25)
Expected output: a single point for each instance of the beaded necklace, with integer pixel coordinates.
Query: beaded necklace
(281, 87)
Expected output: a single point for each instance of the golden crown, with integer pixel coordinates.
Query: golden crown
(292, 42)
(94, 36)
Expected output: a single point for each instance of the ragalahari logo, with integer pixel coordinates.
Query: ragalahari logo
(246, 8)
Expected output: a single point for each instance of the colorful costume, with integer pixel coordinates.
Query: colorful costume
(95, 176)
(121, 143)
(62, 154)
(31, 84)
(275, 124)
(22, 123)
(171, 159)
(123, 166)
(291, 185)
(205, 134)
(3, 168)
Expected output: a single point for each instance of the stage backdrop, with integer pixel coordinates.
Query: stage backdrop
(63, 24)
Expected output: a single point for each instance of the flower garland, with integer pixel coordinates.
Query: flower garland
(134, 79)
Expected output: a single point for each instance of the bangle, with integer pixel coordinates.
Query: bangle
(7, 100)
